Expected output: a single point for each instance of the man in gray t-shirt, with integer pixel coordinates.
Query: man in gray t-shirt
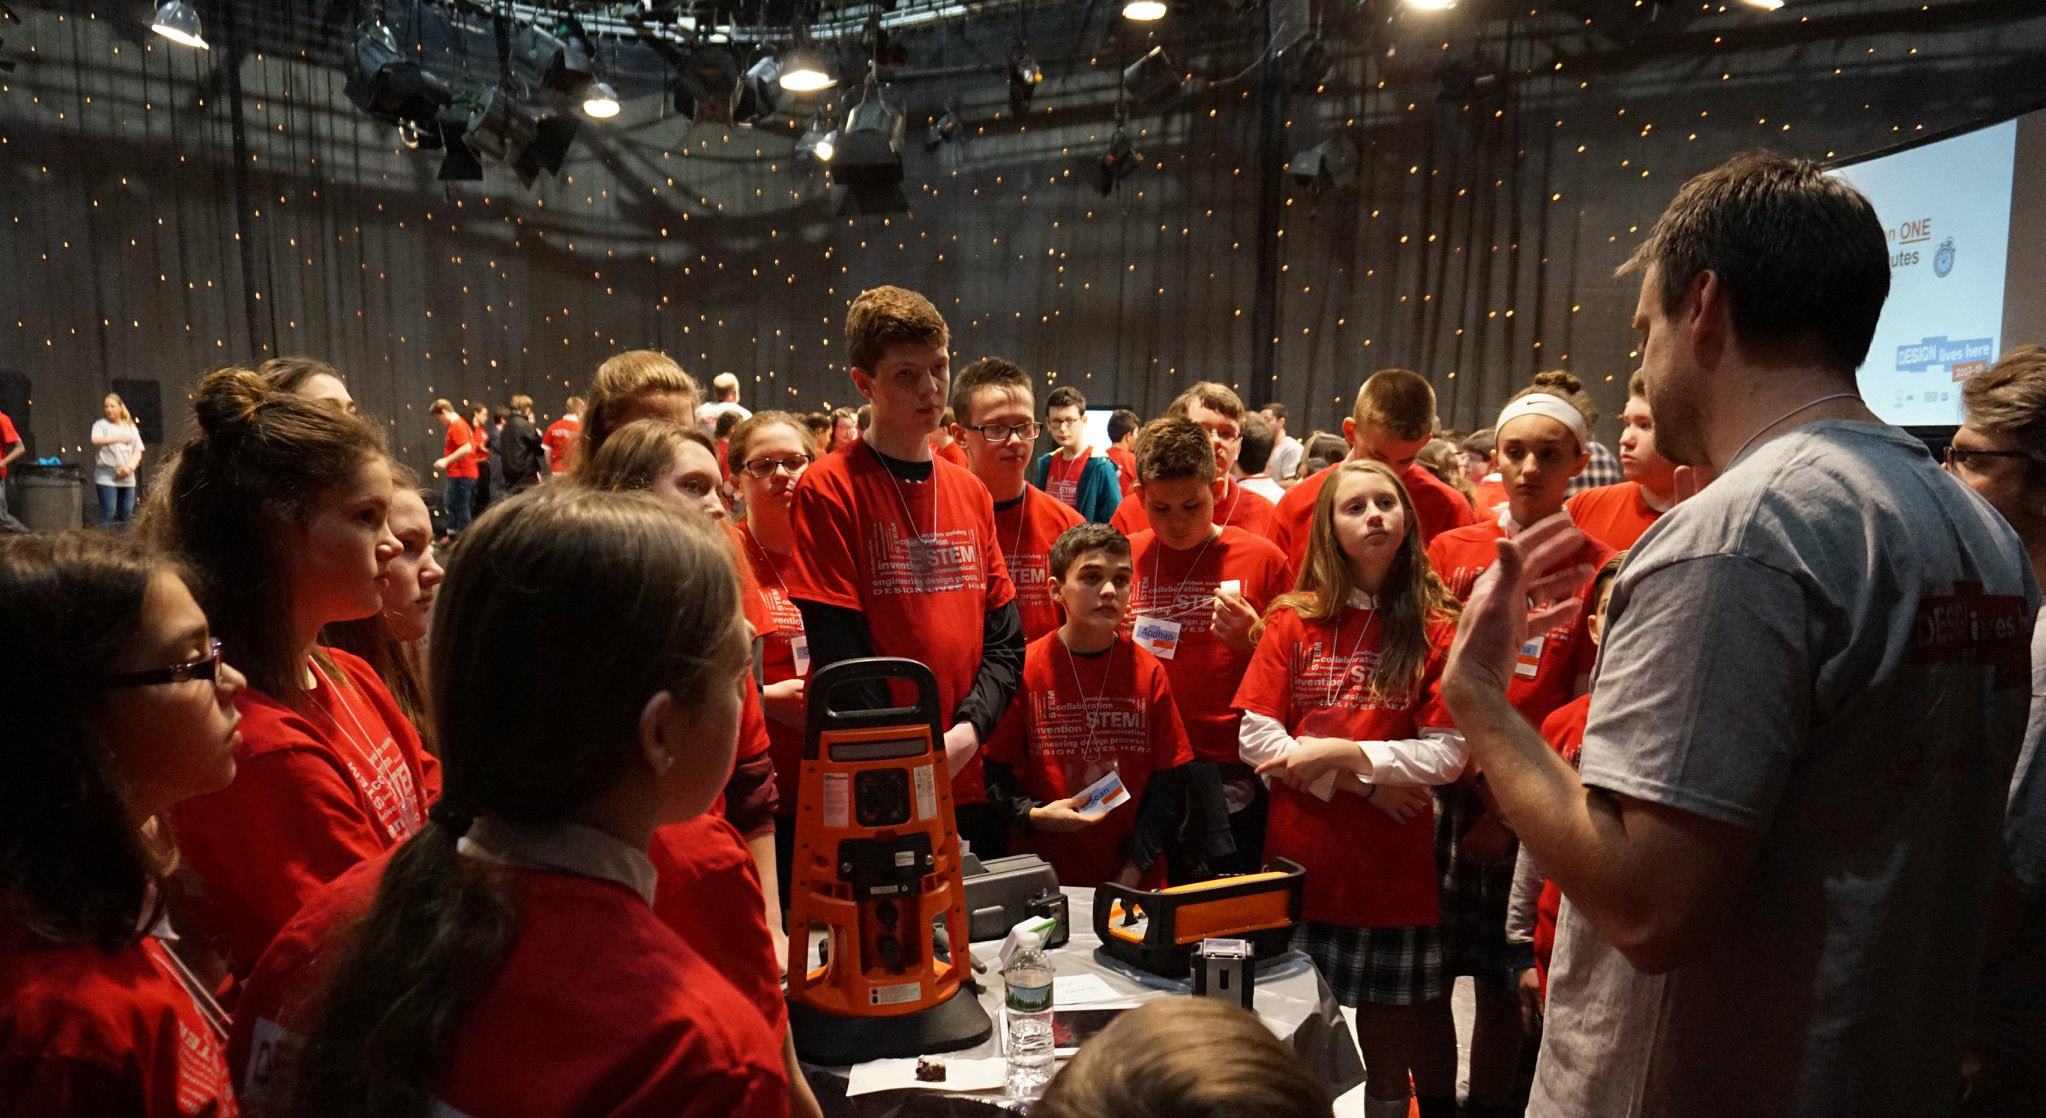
(1778, 861)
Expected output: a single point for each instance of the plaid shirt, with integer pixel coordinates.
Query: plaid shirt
(1603, 469)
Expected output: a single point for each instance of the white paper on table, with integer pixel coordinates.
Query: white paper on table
(898, 1075)
(1079, 989)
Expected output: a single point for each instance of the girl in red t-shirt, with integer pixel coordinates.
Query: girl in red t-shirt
(1342, 710)
(417, 979)
(281, 504)
(117, 705)
(393, 643)
(767, 453)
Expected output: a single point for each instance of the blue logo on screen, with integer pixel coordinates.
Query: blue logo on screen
(1943, 260)
(1939, 352)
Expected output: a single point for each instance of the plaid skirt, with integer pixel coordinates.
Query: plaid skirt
(1381, 966)
(1474, 894)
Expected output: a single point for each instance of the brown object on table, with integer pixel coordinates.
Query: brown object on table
(929, 1070)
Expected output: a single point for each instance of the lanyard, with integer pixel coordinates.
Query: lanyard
(1339, 669)
(908, 518)
(364, 745)
(1158, 572)
(767, 557)
(1086, 700)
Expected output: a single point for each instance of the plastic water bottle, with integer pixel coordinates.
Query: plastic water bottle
(1027, 979)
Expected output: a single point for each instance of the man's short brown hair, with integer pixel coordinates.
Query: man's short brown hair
(1210, 395)
(882, 317)
(1802, 256)
(1399, 400)
(1173, 448)
(2010, 399)
(987, 372)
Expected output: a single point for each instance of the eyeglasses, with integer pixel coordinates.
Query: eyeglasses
(1225, 435)
(1965, 457)
(1002, 432)
(763, 468)
(206, 668)
(1068, 422)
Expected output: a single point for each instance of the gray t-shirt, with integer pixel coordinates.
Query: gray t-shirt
(1829, 646)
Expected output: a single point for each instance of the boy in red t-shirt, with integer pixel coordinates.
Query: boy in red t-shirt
(1071, 471)
(1200, 588)
(1617, 515)
(1393, 419)
(10, 448)
(895, 553)
(561, 435)
(1094, 707)
(1219, 412)
(992, 400)
(1122, 446)
(458, 461)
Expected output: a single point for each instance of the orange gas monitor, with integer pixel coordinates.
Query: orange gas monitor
(876, 871)
(1158, 931)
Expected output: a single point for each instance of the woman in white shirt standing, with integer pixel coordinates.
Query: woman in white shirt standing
(120, 457)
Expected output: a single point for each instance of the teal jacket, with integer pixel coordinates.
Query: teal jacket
(1100, 489)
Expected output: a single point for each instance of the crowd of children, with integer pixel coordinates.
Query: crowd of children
(304, 823)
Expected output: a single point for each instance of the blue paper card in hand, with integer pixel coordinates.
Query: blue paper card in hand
(1103, 796)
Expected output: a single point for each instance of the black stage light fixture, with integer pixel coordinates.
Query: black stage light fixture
(1151, 83)
(1117, 163)
(1331, 163)
(867, 158)
(1025, 75)
(389, 86)
(705, 83)
(501, 129)
(944, 130)
(552, 137)
(759, 94)
(551, 61)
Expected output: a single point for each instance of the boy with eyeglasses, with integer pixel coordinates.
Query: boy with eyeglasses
(992, 399)
(1073, 472)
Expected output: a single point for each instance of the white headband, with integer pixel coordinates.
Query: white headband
(1551, 406)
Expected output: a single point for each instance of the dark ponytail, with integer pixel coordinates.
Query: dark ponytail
(593, 570)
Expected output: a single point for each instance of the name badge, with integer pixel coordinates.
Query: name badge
(800, 647)
(1157, 636)
(1530, 660)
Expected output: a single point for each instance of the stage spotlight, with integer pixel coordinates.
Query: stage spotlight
(1331, 163)
(805, 71)
(551, 61)
(1431, 5)
(390, 87)
(1151, 83)
(867, 158)
(1117, 163)
(704, 85)
(500, 129)
(944, 130)
(817, 144)
(1025, 75)
(1144, 11)
(601, 102)
(1765, 5)
(759, 94)
(178, 21)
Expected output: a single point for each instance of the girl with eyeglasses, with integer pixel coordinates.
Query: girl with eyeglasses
(767, 454)
(280, 505)
(118, 706)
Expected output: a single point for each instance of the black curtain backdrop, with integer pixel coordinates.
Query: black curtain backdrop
(166, 211)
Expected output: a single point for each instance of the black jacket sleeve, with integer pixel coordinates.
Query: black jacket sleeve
(1001, 671)
(1006, 792)
(1159, 816)
(836, 633)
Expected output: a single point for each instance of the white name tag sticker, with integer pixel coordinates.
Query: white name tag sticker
(800, 647)
(1157, 636)
(1530, 659)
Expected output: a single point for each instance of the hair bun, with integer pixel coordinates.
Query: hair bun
(228, 398)
(1559, 379)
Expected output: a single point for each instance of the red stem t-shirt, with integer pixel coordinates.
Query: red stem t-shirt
(1437, 506)
(918, 558)
(1314, 678)
(1235, 507)
(1179, 587)
(780, 638)
(315, 792)
(1026, 529)
(1076, 719)
(459, 435)
(1614, 515)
